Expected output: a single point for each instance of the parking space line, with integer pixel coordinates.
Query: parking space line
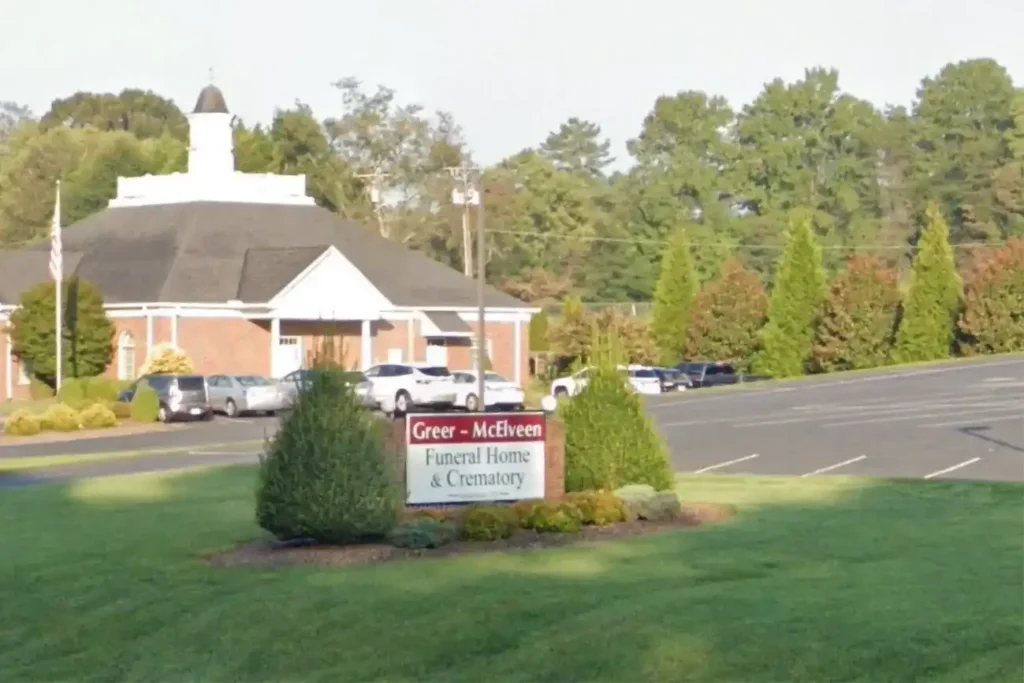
(982, 412)
(725, 464)
(836, 466)
(951, 469)
(962, 421)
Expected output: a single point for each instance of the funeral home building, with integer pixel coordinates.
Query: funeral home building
(246, 274)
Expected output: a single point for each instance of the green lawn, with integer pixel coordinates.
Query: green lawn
(816, 580)
(36, 462)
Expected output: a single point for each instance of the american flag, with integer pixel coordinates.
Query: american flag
(56, 246)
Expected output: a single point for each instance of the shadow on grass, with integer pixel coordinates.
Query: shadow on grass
(816, 580)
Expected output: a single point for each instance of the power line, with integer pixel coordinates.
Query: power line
(727, 245)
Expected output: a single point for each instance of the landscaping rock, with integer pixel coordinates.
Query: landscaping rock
(635, 498)
(663, 507)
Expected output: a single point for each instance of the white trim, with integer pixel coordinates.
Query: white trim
(9, 365)
(471, 309)
(518, 350)
(275, 343)
(366, 345)
(174, 328)
(149, 332)
(229, 305)
(126, 345)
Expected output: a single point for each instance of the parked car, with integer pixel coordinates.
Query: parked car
(296, 381)
(673, 380)
(715, 374)
(235, 395)
(181, 396)
(499, 393)
(643, 379)
(572, 385)
(400, 387)
(640, 378)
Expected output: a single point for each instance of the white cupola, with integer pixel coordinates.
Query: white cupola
(211, 147)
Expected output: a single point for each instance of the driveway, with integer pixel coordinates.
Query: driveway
(950, 422)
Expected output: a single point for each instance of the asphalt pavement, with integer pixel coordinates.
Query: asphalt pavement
(948, 422)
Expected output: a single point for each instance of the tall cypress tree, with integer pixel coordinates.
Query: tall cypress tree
(673, 299)
(788, 338)
(931, 304)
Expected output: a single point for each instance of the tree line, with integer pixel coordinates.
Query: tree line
(863, 317)
(563, 224)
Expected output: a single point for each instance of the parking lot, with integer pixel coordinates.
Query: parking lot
(951, 422)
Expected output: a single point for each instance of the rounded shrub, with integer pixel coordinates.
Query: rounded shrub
(98, 416)
(609, 439)
(145, 405)
(524, 509)
(61, 418)
(72, 391)
(327, 475)
(426, 513)
(22, 423)
(561, 518)
(423, 533)
(489, 523)
(167, 359)
(39, 390)
(102, 388)
(599, 508)
(121, 410)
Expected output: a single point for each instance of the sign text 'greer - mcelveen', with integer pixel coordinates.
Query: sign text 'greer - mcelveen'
(461, 458)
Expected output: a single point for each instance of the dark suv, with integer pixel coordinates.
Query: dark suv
(181, 396)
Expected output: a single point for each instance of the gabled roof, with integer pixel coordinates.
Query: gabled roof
(213, 252)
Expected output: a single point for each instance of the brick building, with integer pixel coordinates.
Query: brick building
(247, 275)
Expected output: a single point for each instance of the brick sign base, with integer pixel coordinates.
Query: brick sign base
(554, 457)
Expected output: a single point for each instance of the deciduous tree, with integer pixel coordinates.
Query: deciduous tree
(727, 315)
(993, 315)
(858, 317)
(933, 300)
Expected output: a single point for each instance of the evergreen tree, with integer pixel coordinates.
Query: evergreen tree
(673, 299)
(788, 338)
(539, 332)
(931, 304)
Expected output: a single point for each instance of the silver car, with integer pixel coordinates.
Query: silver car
(294, 382)
(234, 395)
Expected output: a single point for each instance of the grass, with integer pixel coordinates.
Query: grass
(29, 463)
(7, 408)
(818, 579)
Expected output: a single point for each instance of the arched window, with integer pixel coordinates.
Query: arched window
(126, 356)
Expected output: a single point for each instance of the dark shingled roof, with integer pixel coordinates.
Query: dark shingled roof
(206, 252)
(211, 101)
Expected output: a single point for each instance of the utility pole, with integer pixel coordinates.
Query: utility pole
(464, 194)
(376, 191)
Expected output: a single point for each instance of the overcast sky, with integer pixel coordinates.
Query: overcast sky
(509, 73)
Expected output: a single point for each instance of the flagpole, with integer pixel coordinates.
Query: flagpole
(57, 270)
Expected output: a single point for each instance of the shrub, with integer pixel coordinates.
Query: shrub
(726, 317)
(104, 388)
(635, 499)
(555, 518)
(489, 523)
(633, 334)
(858, 317)
(423, 533)
(98, 416)
(61, 418)
(326, 474)
(993, 317)
(167, 359)
(121, 410)
(930, 307)
(39, 389)
(609, 439)
(427, 513)
(599, 508)
(23, 423)
(145, 405)
(523, 509)
(673, 299)
(539, 332)
(570, 336)
(797, 293)
(72, 390)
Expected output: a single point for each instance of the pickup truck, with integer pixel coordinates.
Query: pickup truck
(714, 374)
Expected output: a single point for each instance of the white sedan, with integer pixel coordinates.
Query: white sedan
(499, 393)
(640, 378)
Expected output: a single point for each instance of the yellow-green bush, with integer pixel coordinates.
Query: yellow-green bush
(167, 359)
(145, 405)
(39, 389)
(98, 416)
(102, 389)
(61, 418)
(121, 410)
(72, 391)
(598, 508)
(489, 523)
(524, 509)
(22, 423)
(561, 517)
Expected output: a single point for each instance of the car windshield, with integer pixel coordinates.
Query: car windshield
(644, 374)
(252, 381)
(191, 383)
(490, 377)
(435, 371)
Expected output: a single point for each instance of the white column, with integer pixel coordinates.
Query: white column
(366, 345)
(518, 346)
(174, 327)
(149, 332)
(275, 344)
(410, 339)
(8, 368)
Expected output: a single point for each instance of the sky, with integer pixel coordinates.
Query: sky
(510, 72)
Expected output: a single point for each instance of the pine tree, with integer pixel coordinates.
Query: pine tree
(788, 338)
(673, 299)
(933, 300)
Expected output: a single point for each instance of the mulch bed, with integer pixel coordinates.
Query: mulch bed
(273, 554)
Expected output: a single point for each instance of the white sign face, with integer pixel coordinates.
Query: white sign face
(474, 458)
